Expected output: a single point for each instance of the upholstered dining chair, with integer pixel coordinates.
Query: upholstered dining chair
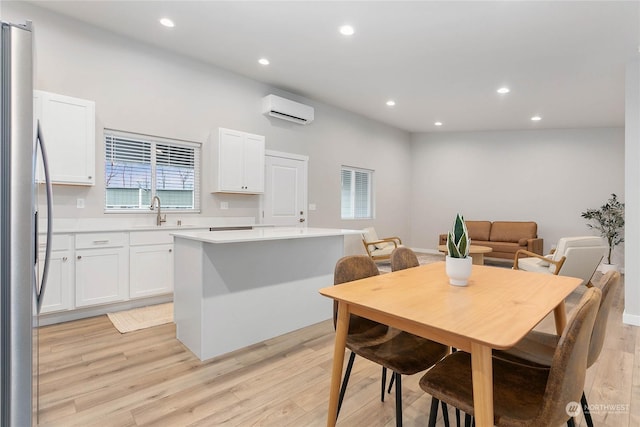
(401, 352)
(362, 332)
(574, 256)
(379, 249)
(401, 259)
(524, 395)
(537, 348)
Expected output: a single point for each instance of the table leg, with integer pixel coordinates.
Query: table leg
(560, 316)
(482, 376)
(342, 327)
(477, 259)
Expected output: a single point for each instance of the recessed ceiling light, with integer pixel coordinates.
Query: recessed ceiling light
(391, 103)
(503, 90)
(347, 30)
(536, 118)
(167, 22)
(438, 123)
(263, 61)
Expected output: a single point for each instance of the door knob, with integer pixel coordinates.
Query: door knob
(301, 219)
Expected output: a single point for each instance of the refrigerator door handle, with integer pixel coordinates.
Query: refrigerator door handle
(49, 191)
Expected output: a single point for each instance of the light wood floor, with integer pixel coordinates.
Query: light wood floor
(90, 374)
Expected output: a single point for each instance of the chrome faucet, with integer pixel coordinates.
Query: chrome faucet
(159, 218)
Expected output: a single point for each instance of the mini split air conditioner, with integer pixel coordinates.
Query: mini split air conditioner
(286, 109)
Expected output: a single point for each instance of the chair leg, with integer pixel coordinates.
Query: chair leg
(571, 423)
(384, 383)
(345, 381)
(390, 384)
(467, 420)
(457, 417)
(433, 414)
(445, 414)
(585, 410)
(398, 399)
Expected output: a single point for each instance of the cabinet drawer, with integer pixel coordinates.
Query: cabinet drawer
(137, 238)
(59, 242)
(101, 240)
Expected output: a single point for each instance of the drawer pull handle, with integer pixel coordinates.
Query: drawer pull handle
(101, 242)
(79, 256)
(170, 250)
(64, 259)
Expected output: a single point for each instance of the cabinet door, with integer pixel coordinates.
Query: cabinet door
(57, 295)
(68, 129)
(151, 270)
(231, 161)
(254, 163)
(101, 276)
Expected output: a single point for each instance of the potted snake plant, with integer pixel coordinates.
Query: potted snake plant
(458, 262)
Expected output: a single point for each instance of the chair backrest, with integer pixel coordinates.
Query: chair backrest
(369, 234)
(348, 269)
(608, 284)
(402, 258)
(582, 256)
(569, 364)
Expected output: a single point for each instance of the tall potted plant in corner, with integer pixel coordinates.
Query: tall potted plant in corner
(458, 261)
(608, 220)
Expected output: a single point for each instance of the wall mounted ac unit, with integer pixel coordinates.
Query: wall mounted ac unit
(286, 109)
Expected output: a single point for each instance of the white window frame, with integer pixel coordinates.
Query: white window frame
(153, 140)
(353, 214)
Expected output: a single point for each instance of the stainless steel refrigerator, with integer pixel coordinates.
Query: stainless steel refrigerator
(20, 292)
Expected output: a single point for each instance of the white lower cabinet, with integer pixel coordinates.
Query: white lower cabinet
(58, 291)
(151, 270)
(102, 268)
(151, 263)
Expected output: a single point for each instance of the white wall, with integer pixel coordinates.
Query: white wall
(632, 183)
(143, 89)
(546, 176)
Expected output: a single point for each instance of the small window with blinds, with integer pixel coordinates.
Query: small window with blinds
(357, 193)
(138, 167)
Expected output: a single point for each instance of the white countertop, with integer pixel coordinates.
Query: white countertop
(260, 234)
(144, 223)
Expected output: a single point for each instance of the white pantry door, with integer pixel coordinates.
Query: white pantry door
(285, 190)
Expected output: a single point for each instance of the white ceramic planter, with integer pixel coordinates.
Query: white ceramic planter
(458, 270)
(605, 268)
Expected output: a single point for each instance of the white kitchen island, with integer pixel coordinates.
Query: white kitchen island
(239, 287)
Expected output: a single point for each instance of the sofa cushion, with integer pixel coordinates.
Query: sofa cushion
(478, 230)
(513, 231)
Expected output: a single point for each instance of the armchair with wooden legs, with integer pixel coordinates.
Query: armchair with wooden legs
(379, 249)
(574, 256)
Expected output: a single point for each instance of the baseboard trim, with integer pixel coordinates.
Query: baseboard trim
(98, 310)
(630, 319)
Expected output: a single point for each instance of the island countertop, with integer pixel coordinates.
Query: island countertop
(261, 234)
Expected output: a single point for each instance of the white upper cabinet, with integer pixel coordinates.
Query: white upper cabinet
(68, 130)
(239, 167)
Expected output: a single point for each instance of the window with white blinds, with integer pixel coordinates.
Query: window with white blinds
(357, 191)
(138, 167)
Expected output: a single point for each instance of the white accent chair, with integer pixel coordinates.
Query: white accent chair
(574, 257)
(379, 249)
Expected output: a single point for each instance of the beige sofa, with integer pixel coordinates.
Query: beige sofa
(504, 237)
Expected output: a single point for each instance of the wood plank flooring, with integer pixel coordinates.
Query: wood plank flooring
(91, 375)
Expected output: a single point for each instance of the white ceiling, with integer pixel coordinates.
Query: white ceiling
(439, 60)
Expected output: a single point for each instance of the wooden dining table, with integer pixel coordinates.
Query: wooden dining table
(494, 311)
